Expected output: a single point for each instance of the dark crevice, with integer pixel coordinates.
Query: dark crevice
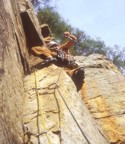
(23, 58)
(32, 36)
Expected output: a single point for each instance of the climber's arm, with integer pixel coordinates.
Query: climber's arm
(70, 43)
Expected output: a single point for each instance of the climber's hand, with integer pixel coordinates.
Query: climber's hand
(66, 34)
(61, 55)
(70, 36)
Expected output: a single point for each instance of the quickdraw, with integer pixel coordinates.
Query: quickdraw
(27, 132)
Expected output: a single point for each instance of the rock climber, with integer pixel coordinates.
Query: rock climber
(60, 55)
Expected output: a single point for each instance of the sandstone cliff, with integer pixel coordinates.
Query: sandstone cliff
(54, 105)
(44, 106)
(104, 95)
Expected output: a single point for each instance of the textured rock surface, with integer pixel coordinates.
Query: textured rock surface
(65, 120)
(65, 115)
(11, 77)
(13, 62)
(104, 94)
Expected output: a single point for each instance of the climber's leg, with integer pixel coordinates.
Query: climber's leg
(39, 50)
(77, 76)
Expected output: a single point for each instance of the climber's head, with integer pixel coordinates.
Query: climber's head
(52, 44)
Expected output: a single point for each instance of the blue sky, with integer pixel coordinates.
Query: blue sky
(98, 18)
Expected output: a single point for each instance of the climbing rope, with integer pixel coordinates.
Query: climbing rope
(40, 108)
(57, 87)
(41, 111)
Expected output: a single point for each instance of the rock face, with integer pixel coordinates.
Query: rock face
(53, 105)
(44, 106)
(104, 94)
(11, 76)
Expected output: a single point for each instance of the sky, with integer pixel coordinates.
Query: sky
(104, 19)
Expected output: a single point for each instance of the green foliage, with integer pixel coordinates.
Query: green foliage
(54, 20)
(37, 2)
(117, 56)
(85, 45)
